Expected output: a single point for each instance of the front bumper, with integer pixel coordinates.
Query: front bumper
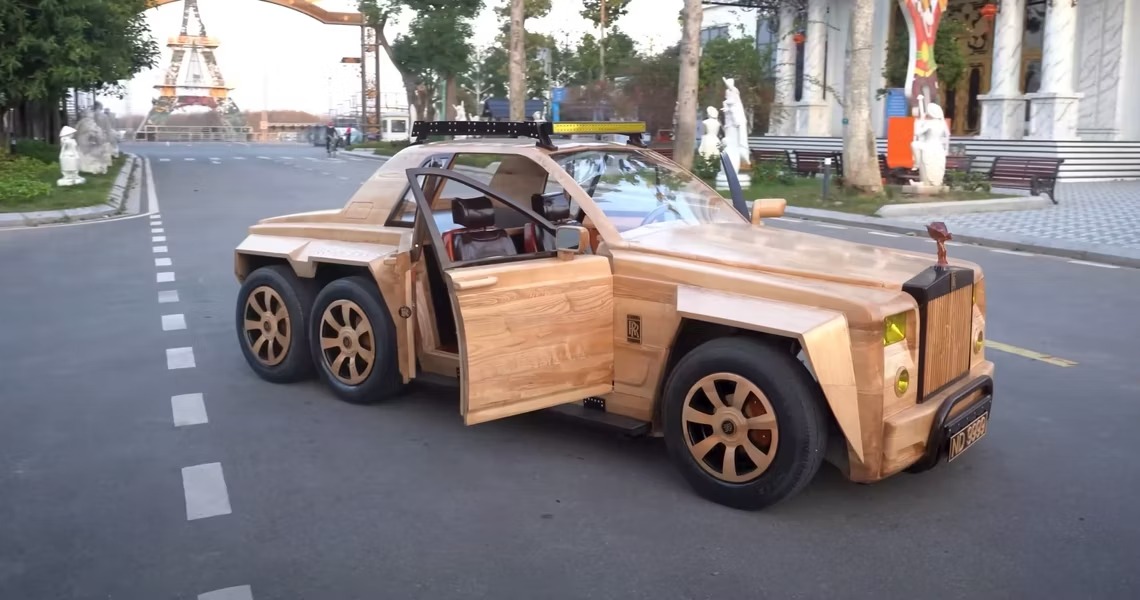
(979, 395)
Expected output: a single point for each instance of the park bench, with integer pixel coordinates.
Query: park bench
(899, 175)
(1038, 175)
(780, 158)
(809, 163)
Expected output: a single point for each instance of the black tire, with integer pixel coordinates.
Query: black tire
(383, 379)
(796, 402)
(297, 295)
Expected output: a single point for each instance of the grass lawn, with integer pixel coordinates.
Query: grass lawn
(93, 192)
(807, 193)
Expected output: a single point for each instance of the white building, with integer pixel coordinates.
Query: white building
(1042, 77)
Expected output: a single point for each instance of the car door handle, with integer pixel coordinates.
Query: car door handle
(472, 284)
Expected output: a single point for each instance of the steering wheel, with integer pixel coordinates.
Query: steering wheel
(656, 214)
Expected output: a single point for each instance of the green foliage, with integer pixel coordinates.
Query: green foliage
(766, 172)
(735, 58)
(584, 64)
(21, 180)
(42, 151)
(615, 9)
(706, 167)
(967, 181)
(948, 54)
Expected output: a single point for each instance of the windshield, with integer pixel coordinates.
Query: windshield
(634, 190)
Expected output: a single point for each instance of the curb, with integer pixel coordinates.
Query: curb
(113, 206)
(1102, 253)
(961, 207)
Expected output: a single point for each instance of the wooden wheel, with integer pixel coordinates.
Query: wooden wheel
(348, 344)
(271, 312)
(267, 326)
(730, 427)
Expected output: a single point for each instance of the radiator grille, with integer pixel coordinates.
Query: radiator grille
(947, 331)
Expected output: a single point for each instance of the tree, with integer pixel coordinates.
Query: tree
(603, 14)
(585, 65)
(735, 58)
(534, 45)
(685, 139)
(486, 75)
(51, 47)
(517, 74)
(860, 162)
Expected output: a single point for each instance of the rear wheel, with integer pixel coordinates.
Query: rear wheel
(743, 422)
(271, 310)
(353, 341)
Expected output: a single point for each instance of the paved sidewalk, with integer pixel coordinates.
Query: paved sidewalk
(1103, 213)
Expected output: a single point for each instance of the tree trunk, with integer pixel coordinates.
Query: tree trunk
(685, 137)
(4, 141)
(860, 161)
(517, 67)
(452, 98)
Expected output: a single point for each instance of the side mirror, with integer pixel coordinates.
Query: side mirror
(766, 208)
(570, 240)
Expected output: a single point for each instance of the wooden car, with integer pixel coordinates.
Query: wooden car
(605, 281)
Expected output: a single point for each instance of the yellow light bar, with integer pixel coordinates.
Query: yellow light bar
(598, 127)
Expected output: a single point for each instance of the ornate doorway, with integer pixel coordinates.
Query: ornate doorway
(961, 103)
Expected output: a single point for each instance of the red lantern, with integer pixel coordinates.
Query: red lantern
(988, 11)
(798, 38)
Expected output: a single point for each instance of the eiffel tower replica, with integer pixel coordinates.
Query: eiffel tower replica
(202, 85)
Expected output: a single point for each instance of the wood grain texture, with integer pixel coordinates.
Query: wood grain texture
(542, 335)
(949, 321)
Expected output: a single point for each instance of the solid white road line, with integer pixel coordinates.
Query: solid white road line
(1093, 264)
(884, 234)
(151, 193)
(188, 409)
(164, 277)
(157, 230)
(180, 358)
(167, 296)
(205, 488)
(1013, 252)
(829, 226)
(175, 322)
(241, 592)
(162, 262)
(159, 249)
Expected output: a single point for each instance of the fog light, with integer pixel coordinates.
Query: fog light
(979, 342)
(902, 381)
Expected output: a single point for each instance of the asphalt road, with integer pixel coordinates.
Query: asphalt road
(323, 500)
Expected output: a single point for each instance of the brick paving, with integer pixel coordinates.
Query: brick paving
(1093, 213)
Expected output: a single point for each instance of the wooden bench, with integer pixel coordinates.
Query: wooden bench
(898, 175)
(1038, 175)
(780, 158)
(809, 163)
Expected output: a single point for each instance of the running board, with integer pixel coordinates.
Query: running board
(579, 411)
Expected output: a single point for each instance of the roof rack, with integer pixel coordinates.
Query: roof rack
(537, 130)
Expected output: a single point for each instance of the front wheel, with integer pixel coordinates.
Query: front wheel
(271, 310)
(743, 422)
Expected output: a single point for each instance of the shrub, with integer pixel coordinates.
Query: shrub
(41, 151)
(967, 181)
(23, 179)
(706, 167)
(18, 190)
(769, 172)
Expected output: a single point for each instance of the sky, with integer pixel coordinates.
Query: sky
(278, 58)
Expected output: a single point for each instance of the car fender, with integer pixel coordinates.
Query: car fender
(823, 334)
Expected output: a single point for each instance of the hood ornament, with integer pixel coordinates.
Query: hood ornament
(938, 232)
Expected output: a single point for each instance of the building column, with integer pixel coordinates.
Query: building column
(1003, 108)
(781, 121)
(1053, 110)
(812, 111)
(1101, 71)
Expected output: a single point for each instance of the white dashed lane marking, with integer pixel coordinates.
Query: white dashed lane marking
(173, 322)
(164, 277)
(180, 358)
(159, 249)
(158, 238)
(241, 592)
(164, 160)
(239, 158)
(188, 409)
(157, 230)
(188, 159)
(264, 157)
(829, 226)
(205, 489)
(1093, 264)
(884, 234)
(156, 223)
(162, 262)
(167, 296)
(155, 216)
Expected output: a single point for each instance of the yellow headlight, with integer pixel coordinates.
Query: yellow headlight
(894, 329)
(902, 381)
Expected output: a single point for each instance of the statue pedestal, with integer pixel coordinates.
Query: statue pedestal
(812, 118)
(70, 181)
(1053, 116)
(745, 180)
(918, 189)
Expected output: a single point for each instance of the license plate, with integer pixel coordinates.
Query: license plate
(968, 435)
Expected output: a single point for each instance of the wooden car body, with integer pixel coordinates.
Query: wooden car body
(542, 330)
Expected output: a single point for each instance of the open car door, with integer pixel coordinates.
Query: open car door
(534, 330)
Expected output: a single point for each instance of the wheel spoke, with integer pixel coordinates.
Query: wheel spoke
(728, 468)
(346, 315)
(709, 387)
(270, 349)
(339, 362)
(758, 457)
(700, 449)
(261, 302)
(693, 415)
(327, 343)
(261, 341)
(281, 339)
(362, 327)
(281, 314)
(251, 325)
(764, 421)
(330, 321)
(353, 373)
(367, 355)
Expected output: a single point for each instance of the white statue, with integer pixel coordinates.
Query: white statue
(537, 116)
(103, 120)
(931, 144)
(93, 149)
(735, 137)
(461, 112)
(710, 143)
(69, 158)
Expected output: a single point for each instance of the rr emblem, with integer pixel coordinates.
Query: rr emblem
(633, 329)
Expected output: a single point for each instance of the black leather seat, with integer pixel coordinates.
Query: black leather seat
(554, 208)
(478, 237)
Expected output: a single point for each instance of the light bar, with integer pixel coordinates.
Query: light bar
(599, 127)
